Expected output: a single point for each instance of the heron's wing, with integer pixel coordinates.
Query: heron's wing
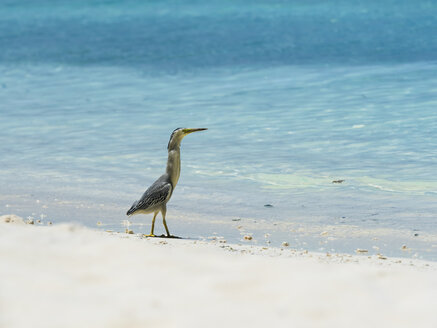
(155, 194)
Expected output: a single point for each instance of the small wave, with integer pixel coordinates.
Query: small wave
(298, 181)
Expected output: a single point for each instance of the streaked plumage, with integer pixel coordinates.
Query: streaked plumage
(155, 199)
(159, 192)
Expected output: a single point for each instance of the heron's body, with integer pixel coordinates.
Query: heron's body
(155, 198)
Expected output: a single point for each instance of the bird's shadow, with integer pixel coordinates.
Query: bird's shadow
(164, 236)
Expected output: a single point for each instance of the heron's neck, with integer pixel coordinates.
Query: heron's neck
(174, 165)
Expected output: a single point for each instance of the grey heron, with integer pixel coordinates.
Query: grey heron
(156, 197)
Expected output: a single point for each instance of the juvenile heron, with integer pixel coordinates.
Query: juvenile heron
(156, 197)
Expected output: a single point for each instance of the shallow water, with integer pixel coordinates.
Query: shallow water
(295, 97)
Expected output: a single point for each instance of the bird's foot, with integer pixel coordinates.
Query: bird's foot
(162, 236)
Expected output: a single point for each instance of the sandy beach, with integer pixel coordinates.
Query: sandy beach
(71, 276)
(306, 198)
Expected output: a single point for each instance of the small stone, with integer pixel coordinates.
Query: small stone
(247, 237)
(404, 247)
(338, 181)
(49, 223)
(285, 244)
(360, 250)
(99, 223)
(268, 205)
(130, 232)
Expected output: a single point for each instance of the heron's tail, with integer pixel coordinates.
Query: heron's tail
(132, 209)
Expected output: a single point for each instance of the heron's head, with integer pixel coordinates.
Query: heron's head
(178, 134)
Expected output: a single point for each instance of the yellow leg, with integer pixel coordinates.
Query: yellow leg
(164, 211)
(153, 226)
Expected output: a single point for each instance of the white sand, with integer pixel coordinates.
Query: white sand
(68, 276)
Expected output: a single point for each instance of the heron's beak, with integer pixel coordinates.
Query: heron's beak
(188, 131)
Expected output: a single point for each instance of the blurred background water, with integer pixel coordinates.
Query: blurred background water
(295, 94)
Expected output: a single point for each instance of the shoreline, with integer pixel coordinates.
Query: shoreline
(319, 233)
(69, 275)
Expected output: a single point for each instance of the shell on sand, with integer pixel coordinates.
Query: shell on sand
(11, 218)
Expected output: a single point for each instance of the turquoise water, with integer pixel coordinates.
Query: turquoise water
(295, 96)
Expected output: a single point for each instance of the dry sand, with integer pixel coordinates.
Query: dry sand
(70, 276)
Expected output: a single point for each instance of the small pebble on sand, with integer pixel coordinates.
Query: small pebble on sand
(285, 244)
(247, 237)
(360, 250)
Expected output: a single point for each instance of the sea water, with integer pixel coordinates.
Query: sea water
(322, 118)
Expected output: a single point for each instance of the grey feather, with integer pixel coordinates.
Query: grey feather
(156, 195)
